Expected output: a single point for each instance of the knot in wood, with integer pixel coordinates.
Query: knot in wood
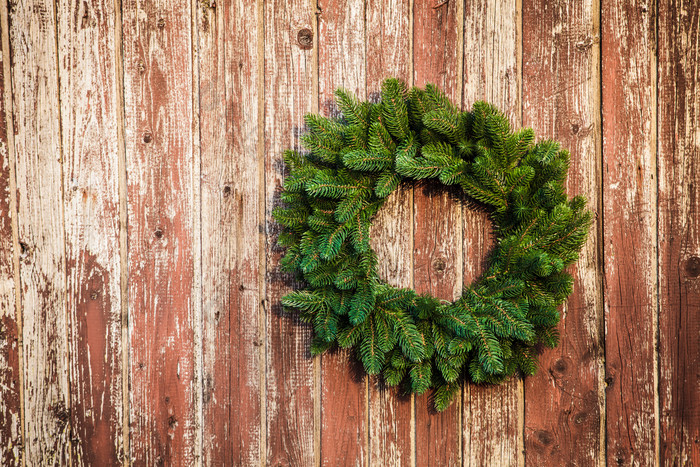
(545, 437)
(692, 266)
(560, 365)
(305, 38)
(439, 265)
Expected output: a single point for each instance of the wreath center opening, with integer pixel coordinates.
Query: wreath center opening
(452, 239)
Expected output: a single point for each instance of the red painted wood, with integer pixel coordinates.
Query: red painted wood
(562, 401)
(629, 192)
(437, 261)
(388, 26)
(86, 49)
(229, 35)
(491, 415)
(259, 390)
(38, 160)
(344, 411)
(289, 94)
(160, 169)
(10, 409)
(679, 232)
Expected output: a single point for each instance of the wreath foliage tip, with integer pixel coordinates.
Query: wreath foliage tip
(353, 163)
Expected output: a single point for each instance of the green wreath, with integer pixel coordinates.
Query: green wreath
(354, 162)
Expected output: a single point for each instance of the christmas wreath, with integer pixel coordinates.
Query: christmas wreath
(353, 163)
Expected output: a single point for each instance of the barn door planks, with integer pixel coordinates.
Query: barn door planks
(492, 415)
(679, 231)
(344, 412)
(40, 204)
(629, 192)
(391, 424)
(292, 399)
(564, 400)
(229, 36)
(89, 105)
(437, 256)
(10, 326)
(160, 169)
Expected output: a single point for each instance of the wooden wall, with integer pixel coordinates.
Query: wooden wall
(140, 159)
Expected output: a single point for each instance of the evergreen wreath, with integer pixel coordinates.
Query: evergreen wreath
(354, 162)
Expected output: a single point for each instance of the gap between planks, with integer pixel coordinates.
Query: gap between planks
(657, 310)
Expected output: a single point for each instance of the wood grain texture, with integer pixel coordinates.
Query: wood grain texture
(160, 165)
(231, 196)
(89, 101)
(563, 400)
(10, 380)
(341, 63)
(290, 50)
(629, 192)
(38, 163)
(437, 255)
(679, 231)
(391, 424)
(492, 415)
(213, 93)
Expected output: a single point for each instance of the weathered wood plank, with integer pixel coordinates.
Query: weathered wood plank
(679, 231)
(89, 102)
(160, 165)
(561, 101)
(629, 189)
(341, 63)
(437, 256)
(391, 424)
(492, 420)
(231, 191)
(290, 92)
(38, 163)
(10, 380)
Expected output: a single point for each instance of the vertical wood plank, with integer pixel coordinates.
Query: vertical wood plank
(679, 231)
(389, 42)
(561, 101)
(38, 163)
(160, 165)
(290, 51)
(629, 229)
(89, 103)
(10, 381)
(437, 260)
(492, 415)
(341, 63)
(231, 195)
